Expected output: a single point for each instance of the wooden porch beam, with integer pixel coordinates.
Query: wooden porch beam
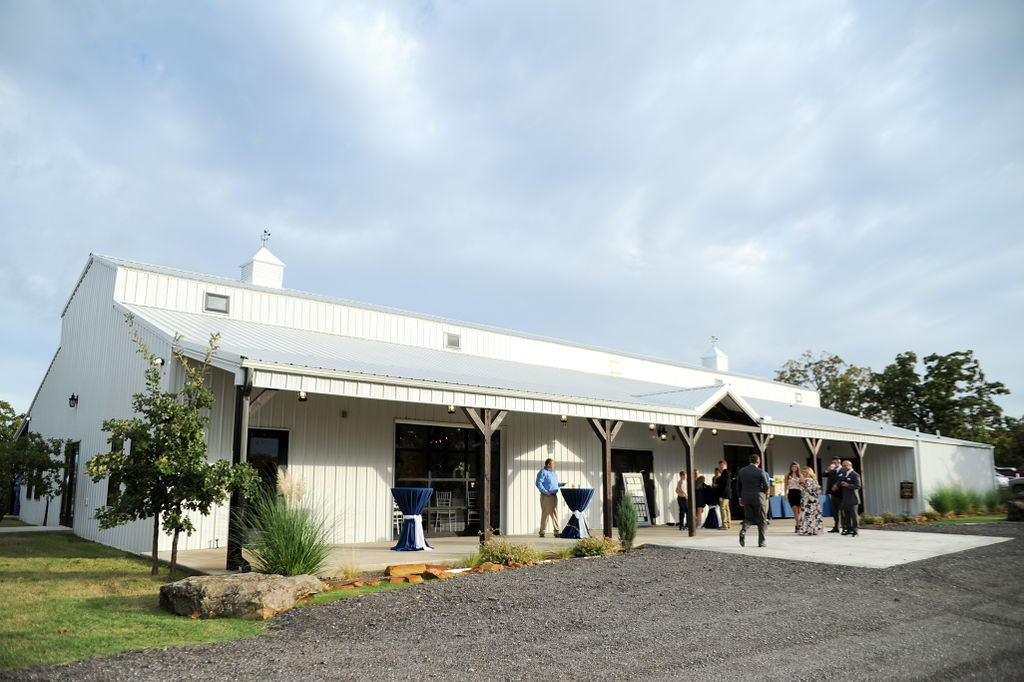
(606, 430)
(727, 426)
(262, 399)
(486, 423)
(689, 435)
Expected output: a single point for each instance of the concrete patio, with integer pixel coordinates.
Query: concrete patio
(870, 549)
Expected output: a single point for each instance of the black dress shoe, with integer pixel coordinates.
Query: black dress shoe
(834, 530)
(762, 544)
(743, 537)
(853, 534)
(846, 532)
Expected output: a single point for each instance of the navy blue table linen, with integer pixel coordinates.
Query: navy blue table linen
(412, 502)
(577, 499)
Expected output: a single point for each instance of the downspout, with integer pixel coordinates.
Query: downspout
(239, 453)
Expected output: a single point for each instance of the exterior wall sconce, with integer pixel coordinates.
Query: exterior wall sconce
(564, 418)
(303, 396)
(662, 433)
(651, 427)
(159, 362)
(714, 432)
(451, 409)
(73, 401)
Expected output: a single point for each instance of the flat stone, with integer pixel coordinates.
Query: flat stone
(394, 580)
(434, 573)
(414, 578)
(250, 596)
(405, 569)
(488, 566)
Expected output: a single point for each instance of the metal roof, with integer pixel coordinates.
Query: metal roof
(111, 261)
(302, 349)
(250, 343)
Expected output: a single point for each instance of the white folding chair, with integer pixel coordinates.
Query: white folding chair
(443, 508)
(472, 513)
(397, 518)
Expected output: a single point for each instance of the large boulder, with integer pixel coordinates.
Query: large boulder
(252, 596)
(1015, 509)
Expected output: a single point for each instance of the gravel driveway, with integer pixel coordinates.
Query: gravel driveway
(659, 613)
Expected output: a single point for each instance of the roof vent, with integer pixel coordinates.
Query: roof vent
(264, 270)
(714, 358)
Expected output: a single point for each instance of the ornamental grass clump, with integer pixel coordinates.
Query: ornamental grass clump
(942, 500)
(996, 500)
(626, 516)
(504, 552)
(282, 536)
(595, 546)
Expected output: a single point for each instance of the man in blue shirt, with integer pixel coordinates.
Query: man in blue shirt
(548, 485)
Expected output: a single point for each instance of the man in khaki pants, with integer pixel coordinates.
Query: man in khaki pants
(724, 489)
(548, 485)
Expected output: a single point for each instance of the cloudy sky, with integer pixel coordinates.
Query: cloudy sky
(841, 176)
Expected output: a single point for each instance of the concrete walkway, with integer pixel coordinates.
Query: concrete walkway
(870, 549)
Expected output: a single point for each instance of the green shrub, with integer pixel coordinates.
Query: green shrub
(504, 552)
(932, 515)
(284, 538)
(942, 500)
(626, 520)
(996, 500)
(962, 502)
(870, 520)
(907, 518)
(595, 546)
(889, 517)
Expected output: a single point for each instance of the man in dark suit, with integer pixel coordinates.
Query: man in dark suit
(753, 487)
(832, 478)
(850, 484)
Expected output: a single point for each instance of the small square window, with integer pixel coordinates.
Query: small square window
(798, 396)
(452, 341)
(217, 303)
(615, 368)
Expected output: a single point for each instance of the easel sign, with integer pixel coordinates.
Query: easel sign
(634, 487)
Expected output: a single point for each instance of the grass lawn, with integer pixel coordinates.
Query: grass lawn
(63, 598)
(10, 523)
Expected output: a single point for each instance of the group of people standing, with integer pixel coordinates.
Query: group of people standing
(714, 497)
(803, 492)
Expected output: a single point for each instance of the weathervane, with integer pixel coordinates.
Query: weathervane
(265, 237)
(714, 340)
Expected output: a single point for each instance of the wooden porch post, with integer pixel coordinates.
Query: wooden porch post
(861, 449)
(813, 446)
(239, 453)
(690, 435)
(606, 430)
(486, 426)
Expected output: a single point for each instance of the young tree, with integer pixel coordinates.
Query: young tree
(31, 459)
(163, 473)
(45, 467)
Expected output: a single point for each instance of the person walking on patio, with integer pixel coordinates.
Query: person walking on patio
(753, 488)
(548, 485)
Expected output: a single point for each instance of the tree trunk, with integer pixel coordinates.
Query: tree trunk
(46, 512)
(156, 543)
(174, 554)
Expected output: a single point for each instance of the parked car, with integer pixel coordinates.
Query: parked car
(1001, 481)
(1017, 485)
(1009, 472)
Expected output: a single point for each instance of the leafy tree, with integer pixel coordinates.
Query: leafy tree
(952, 397)
(32, 459)
(842, 387)
(158, 458)
(45, 467)
(1009, 442)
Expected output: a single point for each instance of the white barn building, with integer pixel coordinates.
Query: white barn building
(357, 398)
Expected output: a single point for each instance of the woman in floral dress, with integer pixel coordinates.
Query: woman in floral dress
(809, 522)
